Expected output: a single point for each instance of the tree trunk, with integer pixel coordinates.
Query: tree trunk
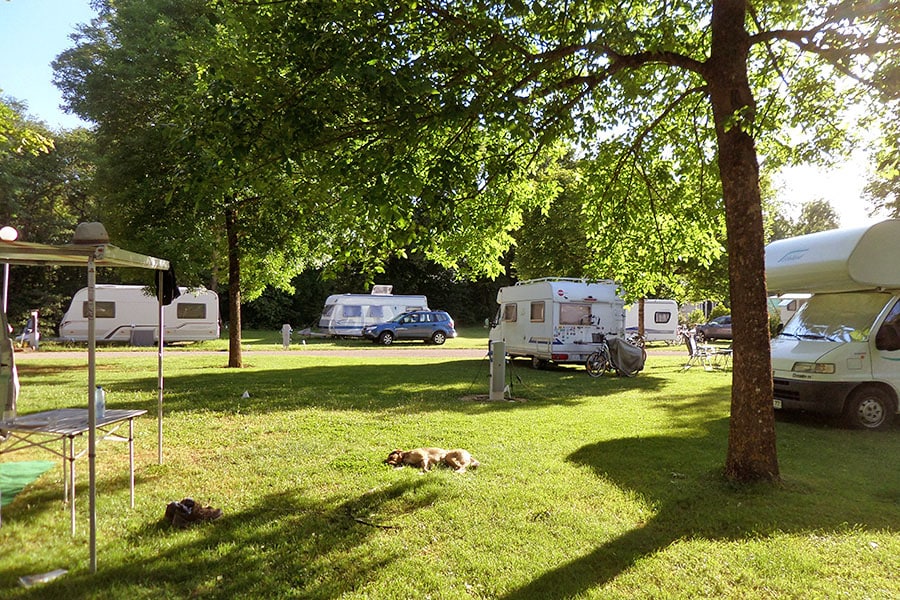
(234, 290)
(641, 317)
(752, 453)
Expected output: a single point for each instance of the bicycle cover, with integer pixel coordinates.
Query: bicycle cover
(627, 359)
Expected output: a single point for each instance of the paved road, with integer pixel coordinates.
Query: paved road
(398, 352)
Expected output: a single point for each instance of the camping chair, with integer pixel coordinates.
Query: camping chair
(698, 354)
(721, 357)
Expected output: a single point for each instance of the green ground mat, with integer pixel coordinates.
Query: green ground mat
(15, 476)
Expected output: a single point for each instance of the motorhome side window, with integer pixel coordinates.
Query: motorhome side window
(510, 312)
(352, 310)
(888, 336)
(662, 317)
(537, 311)
(190, 310)
(574, 314)
(104, 310)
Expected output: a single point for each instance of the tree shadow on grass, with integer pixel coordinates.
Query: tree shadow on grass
(376, 387)
(288, 545)
(680, 478)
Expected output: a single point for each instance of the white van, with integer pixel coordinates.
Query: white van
(660, 320)
(840, 353)
(557, 319)
(129, 313)
(345, 315)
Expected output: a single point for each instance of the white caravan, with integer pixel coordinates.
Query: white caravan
(840, 353)
(345, 315)
(128, 313)
(557, 319)
(660, 320)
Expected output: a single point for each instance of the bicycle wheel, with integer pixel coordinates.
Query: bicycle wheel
(596, 364)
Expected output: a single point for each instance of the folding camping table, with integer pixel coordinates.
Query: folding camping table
(46, 429)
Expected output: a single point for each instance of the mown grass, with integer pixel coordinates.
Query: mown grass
(588, 488)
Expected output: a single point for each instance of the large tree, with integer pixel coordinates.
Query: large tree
(422, 123)
(692, 90)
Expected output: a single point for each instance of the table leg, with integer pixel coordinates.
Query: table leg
(72, 481)
(131, 457)
(65, 473)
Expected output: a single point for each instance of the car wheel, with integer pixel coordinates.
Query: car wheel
(439, 337)
(386, 338)
(870, 407)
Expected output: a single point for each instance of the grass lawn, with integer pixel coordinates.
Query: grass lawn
(588, 488)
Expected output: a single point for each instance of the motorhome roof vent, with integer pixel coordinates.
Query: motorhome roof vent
(382, 290)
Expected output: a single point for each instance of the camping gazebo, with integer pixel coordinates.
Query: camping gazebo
(89, 249)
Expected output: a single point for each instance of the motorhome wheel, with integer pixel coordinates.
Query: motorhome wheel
(870, 407)
(538, 363)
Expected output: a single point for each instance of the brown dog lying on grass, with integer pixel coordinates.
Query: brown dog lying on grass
(425, 458)
(459, 460)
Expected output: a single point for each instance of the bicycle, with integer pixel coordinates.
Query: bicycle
(599, 361)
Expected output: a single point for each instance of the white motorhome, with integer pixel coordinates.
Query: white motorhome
(660, 320)
(840, 353)
(129, 313)
(345, 315)
(557, 319)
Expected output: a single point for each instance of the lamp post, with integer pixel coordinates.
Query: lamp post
(7, 234)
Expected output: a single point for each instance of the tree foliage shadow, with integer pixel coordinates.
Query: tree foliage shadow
(678, 476)
(374, 387)
(287, 545)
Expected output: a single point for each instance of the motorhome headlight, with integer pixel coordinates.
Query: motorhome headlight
(813, 367)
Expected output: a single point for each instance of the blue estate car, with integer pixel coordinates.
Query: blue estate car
(430, 325)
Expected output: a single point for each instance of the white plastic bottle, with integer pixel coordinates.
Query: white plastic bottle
(99, 402)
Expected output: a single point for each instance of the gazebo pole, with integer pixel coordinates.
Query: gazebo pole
(92, 414)
(159, 402)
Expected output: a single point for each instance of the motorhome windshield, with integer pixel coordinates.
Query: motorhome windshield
(837, 317)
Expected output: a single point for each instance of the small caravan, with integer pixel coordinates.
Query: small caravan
(660, 320)
(128, 313)
(840, 353)
(557, 319)
(345, 315)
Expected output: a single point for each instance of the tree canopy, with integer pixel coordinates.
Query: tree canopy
(435, 125)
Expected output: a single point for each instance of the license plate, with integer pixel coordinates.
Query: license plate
(776, 403)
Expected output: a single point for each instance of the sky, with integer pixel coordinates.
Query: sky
(34, 32)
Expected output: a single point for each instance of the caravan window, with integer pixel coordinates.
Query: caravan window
(537, 311)
(662, 317)
(510, 312)
(352, 310)
(104, 310)
(574, 314)
(190, 310)
(376, 311)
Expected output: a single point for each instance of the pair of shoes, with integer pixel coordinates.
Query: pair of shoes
(187, 512)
